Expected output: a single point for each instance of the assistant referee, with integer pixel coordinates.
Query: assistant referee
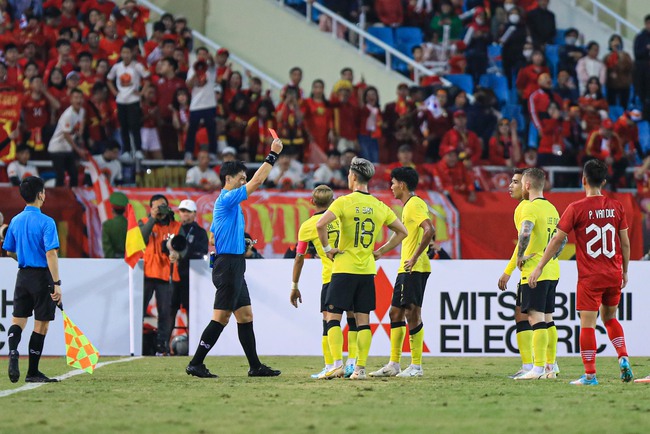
(32, 240)
(230, 264)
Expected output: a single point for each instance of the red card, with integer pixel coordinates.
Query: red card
(273, 133)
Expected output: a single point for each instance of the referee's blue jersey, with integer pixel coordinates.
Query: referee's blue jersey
(30, 235)
(228, 222)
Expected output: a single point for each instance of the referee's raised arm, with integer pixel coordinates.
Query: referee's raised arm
(263, 172)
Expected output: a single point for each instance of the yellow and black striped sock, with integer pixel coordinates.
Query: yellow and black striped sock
(416, 339)
(335, 340)
(525, 342)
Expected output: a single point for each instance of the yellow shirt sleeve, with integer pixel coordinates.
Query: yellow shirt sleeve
(512, 263)
(337, 207)
(304, 233)
(390, 215)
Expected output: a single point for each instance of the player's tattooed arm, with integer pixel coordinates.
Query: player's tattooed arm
(564, 241)
(524, 240)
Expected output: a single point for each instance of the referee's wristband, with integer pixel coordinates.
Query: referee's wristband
(271, 158)
(327, 248)
(57, 283)
(294, 285)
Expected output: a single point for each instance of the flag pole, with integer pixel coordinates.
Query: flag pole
(131, 319)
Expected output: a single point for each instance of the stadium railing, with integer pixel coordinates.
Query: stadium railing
(619, 22)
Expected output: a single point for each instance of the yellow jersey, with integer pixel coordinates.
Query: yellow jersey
(545, 217)
(415, 211)
(512, 264)
(308, 233)
(361, 217)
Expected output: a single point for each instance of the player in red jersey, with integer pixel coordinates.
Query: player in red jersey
(603, 254)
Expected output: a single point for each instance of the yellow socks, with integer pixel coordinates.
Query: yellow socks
(540, 343)
(397, 334)
(525, 342)
(335, 340)
(551, 351)
(364, 338)
(416, 339)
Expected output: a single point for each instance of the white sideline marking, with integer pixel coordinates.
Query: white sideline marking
(30, 386)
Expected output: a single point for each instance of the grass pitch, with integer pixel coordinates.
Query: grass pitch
(456, 395)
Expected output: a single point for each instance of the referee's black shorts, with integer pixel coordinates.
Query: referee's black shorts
(355, 292)
(409, 289)
(541, 298)
(323, 296)
(228, 277)
(32, 294)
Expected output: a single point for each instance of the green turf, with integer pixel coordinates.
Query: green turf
(468, 395)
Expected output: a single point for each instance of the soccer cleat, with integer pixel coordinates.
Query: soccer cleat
(39, 377)
(411, 372)
(556, 369)
(531, 375)
(387, 371)
(263, 371)
(334, 373)
(349, 370)
(584, 381)
(643, 380)
(359, 374)
(323, 372)
(519, 373)
(626, 370)
(199, 371)
(14, 370)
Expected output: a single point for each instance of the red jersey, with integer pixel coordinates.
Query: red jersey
(150, 114)
(592, 117)
(165, 91)
(318, 120)
(456, 178)
(36, 115)
(346, 120)
(258, 137)
(552, 136)
(105, 7)
(629, 134)
(596, 221)
(112, 48)
(86, 83)
(527, 79)
(467, 143)
(601, 147)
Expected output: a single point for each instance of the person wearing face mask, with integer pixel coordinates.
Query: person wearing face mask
(570, 52)
(619, 72)
(476, 40)
(541, 24)
(513, 41)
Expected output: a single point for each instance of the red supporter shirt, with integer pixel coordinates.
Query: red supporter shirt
(318, 120)
(552, 135)
(455, 178)
(112, 48)
(105, 7)
(150, 115)
(346, 120)
(601, 147)
(527, 79)
(467, 142)
(36, 112)
(629, 134)
(596, 221)
(165, 90)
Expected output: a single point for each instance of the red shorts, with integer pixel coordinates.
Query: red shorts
(590, 299)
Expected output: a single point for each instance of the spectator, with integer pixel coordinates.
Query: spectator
(450, 174)
(370, 125)
(528, 76)
(329, 173)
(254, 94)
(257, 141)
(566, 87)
(287, 174)
(593, 105)
(111, 43)
(504, 148)
(626, 129)
(150, 123)
(223, 67)
(466, 143)
(20, 168)
(318, 117)
(114, 229)
(577, 137)
(541, 24)
(109, 162)
(590, 66)
(539, 101)
(389, 12)
(197, 248)
(438, 123)
(482, 117)
(38, 107)
(14, 70)
(605, 145)
(346, 118)
(620, 68)
(295, 77)
(129, 76)
(131, 20)
(476, 40)
(167, 85)
(291, 126)
(447, 17)
(392, 114)
(159, 275)
(87, 76)
(570, 52)
(513, 40)
(181, 115)
(203, 103)
(101, 117)
(232, 87)
(201, 176)
(251, 252)
(346, 159)
(551, 151)
(460, 102)
(642, 67)
(68, 140)
(356, 94)
(405, 159)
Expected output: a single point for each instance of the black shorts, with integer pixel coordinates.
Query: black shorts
(228, 277)
(541, 298)
(323, 296)
(355, 292)
(32, 294)
(518, 301)
(409, 289)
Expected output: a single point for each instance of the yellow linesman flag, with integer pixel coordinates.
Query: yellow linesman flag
(79, 352)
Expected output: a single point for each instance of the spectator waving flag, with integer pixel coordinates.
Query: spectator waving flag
(103, 189)
(79, 351)
(135, 245)
(433, 105)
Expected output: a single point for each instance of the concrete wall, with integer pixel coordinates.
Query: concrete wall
(194, 10)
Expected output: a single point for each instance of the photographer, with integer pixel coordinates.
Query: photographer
(160, 272)
(251, 252)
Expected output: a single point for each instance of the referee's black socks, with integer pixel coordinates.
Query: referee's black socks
(208, 339)
(35, 350)
(14, 333)
(247, 340)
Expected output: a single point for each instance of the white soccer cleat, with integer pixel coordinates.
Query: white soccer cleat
(387, 371)
(359, 374)
(334, 373)
(519, 373)
(411, 372)
(532, 375)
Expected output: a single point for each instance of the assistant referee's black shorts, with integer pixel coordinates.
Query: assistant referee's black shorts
(228, 277)
(32, 294)
(409, 289)
(541, 298)
(355, 292)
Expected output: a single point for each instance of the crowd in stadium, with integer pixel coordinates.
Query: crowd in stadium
(548, 98)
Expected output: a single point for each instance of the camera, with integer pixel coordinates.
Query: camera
(164, 210)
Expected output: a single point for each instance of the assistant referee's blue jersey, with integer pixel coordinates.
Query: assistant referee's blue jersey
(30, 235)
(228, 222)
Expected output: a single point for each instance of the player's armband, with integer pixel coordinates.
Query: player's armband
(301, 248)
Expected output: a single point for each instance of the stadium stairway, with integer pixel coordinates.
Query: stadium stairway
(274, 38)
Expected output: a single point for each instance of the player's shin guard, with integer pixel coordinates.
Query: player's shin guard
(588, 349)
(416, 339)
(335, 339)
(35, 350)
(616, 335)
(353, 349)
(247, 341)
(14, 334)
(551, 351)
(327, 354)
(525, 342)
(364, 339)
(540, 343)
(208, 339)
(397, 334)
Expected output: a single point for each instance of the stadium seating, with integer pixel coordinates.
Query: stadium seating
(513, 111)
(615, 112)
(644, 136)
(463, 81)
(552, 58)
(533, 136)
(408, 36)
(498, 84)
(559, 36)
(384, 34)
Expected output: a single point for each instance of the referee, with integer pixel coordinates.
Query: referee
(230, 265)
(32, 240)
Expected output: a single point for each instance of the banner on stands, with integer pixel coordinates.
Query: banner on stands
(464, 314)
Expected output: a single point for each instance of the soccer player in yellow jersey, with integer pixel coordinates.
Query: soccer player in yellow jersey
(412, 276)
(524, 331)
(321, 198)
(352, 287)
(539, 220)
